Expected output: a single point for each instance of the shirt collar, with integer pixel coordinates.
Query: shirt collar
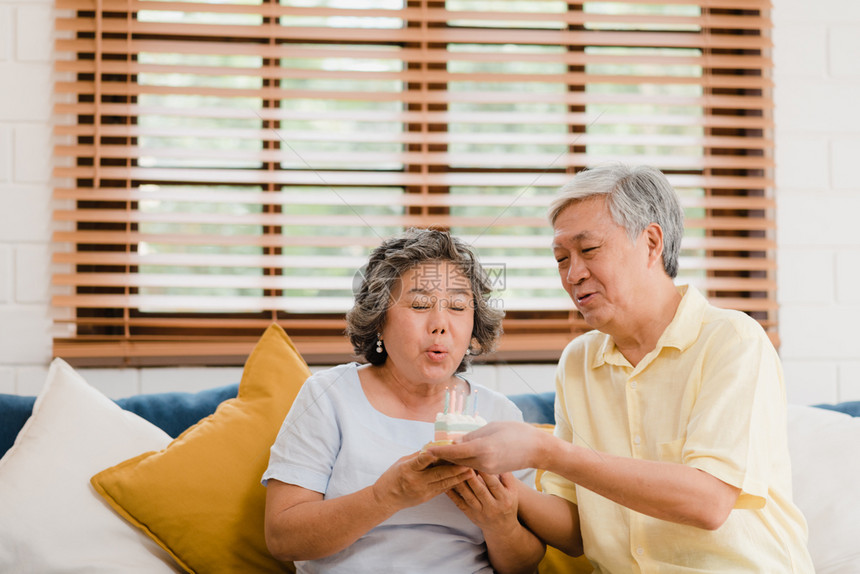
(680, 333)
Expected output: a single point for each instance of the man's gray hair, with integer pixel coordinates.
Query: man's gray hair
(637, 196)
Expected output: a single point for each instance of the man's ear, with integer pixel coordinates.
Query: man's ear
(654, 241)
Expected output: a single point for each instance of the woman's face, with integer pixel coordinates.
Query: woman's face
(429, 322)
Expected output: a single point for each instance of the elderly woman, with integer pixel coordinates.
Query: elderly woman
(348, 488)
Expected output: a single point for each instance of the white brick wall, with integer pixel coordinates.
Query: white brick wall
(25, 210)
(37, 19)
(817, 147)
(817, 76)
(6, 36)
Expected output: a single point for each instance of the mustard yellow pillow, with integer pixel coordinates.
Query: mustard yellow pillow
(201, 498)
(557, 562)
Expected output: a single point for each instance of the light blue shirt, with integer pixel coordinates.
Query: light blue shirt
(333, 441)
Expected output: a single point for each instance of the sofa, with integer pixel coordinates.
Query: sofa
(169, 482)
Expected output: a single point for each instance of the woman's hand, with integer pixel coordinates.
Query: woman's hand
(299, 521)
(491, 502)
(488, 500)
(415, 479)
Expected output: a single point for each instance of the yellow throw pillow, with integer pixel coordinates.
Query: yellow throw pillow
(201, 498)
(557, 562)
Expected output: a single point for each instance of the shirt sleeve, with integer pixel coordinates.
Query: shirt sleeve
(305, 450)
(729, 432)
(550, 482)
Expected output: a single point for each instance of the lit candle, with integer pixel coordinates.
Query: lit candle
(475, 404)
(447, 400)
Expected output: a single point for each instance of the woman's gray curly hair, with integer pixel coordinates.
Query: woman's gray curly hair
(389, 262)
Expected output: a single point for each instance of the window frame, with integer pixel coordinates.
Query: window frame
(737, 207)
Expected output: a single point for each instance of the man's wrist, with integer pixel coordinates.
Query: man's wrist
(543, 454)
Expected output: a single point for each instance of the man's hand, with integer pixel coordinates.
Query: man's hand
(496, 448)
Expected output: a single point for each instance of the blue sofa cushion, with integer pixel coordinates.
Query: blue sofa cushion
(848, 407)
(536, 407)
(172, 412)
(14, 412)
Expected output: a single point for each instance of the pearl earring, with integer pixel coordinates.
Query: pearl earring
(468, 351)
(379, 343)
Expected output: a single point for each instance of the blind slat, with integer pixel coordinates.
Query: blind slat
(741, 60)
(380, 178)
(117, 151)
(737, 202)
(429, 14)
(738, 82)
(722, 243)
(427, 117)
(358, 220)
(214, 304)
(433, 96)
(424, 34)
(284, 262)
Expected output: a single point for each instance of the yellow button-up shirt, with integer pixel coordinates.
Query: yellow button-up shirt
(710, 396)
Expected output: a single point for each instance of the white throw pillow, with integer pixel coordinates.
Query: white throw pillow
(826, 482)
(52, 520)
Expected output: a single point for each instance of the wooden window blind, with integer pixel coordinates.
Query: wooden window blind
(221, 165)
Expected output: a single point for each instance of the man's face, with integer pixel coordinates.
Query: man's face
(602, 270)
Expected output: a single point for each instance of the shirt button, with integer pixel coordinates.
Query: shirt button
(632, 384)
(640, 551)
(636, 439)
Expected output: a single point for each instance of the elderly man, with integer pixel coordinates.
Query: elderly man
(670, 451)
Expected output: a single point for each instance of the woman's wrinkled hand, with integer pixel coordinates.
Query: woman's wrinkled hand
(488, 500)
(415, 479)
